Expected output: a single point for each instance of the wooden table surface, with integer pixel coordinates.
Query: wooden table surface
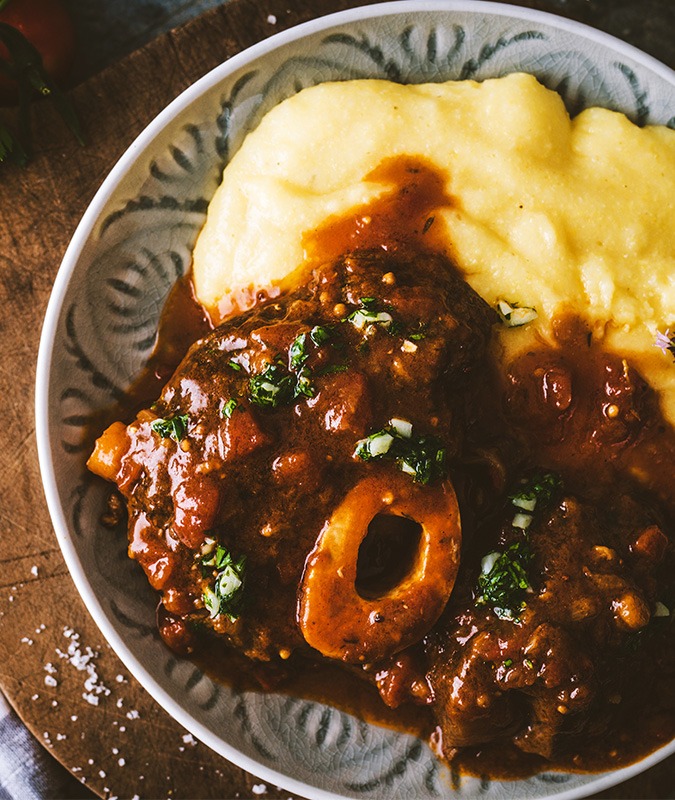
(126, 745)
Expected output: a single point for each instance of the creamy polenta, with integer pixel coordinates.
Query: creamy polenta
(548, 212)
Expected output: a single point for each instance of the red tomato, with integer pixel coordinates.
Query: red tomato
(48, 27)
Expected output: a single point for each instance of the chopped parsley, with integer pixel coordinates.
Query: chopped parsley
(279, 385)
(370, 315)
(171, 427)
(374, 314)
(226, 593)
(235, 365)
(421, 457)
(535, 492)
(513, 315)
(228, 408)
(334, 368)
(419, 332)
(271, 388)
(303, 385)
(503, 582)
(362, 318)
(297, 353)
(320, 335)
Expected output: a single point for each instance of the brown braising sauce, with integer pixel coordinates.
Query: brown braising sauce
(182, 323)
(578, 674)
(401, 218)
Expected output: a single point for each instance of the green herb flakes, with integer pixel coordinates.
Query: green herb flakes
(224, 592)
(503, 582)
(320, 335)
(229, 407)
(279, 385)
(421, 457)
(297, 353)
(171, 427)
(271, 388)
(513, 315)
(303, 385)
(533, 493)
(333, 368)
(419, 332)
(363, 318)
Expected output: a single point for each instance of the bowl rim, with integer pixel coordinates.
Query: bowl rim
(86, 227)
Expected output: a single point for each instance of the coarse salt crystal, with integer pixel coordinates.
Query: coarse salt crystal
(121, 762)
(272, 19)
(83, 660)
(34, 571)
(189, 739)
(49, 681)
(133, 714)
(259, 788)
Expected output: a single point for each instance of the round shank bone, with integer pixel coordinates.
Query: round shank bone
(333, 617)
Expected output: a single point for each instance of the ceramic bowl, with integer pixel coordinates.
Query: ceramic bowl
(136, 239)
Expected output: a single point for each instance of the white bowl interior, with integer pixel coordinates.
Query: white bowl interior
(133, 242)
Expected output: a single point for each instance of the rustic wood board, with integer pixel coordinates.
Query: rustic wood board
(126, 744)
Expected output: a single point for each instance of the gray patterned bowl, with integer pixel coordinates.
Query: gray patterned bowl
(135, 240)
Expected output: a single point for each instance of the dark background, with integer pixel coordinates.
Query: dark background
(109, 29)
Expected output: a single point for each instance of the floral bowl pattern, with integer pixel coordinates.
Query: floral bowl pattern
(136, 239)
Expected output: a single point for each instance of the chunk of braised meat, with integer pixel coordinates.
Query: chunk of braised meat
(585, 410)
(401, 679)
(251, 444)
(468, 704)
(544, 677)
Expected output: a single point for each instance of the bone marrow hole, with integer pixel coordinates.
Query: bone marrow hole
(386, 555)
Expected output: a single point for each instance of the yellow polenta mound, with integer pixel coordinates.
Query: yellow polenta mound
(550, 212)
